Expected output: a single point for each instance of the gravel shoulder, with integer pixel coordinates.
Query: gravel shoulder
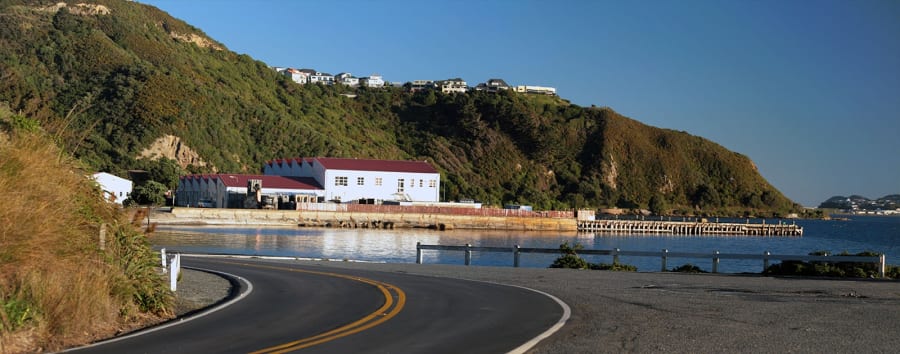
(671, 312)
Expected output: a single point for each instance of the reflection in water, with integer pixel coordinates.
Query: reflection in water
(399, 246)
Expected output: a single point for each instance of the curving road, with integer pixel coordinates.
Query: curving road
(286, 307)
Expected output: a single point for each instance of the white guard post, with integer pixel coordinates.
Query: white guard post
(175, 268)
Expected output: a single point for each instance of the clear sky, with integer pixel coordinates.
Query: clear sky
(809, 90)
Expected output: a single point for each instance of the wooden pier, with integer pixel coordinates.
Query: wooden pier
(688, 228)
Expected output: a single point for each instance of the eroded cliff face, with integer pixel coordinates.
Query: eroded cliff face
(77, 9)
(171, 147)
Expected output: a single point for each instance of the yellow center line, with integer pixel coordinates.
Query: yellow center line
(373, 319)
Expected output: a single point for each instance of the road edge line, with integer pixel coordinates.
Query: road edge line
(567, 313)
(177, 321)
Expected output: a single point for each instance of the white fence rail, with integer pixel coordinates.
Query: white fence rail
(664, 255)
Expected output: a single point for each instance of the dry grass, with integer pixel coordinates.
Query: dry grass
(57, 288)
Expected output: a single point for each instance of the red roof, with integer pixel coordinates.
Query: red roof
(333, 163)
(280, 182)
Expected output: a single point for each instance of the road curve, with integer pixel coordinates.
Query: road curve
(326, 310)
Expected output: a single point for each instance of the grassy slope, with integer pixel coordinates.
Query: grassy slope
(111, 84)
(57, 288)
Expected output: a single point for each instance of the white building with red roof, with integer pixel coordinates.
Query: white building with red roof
(346, 179)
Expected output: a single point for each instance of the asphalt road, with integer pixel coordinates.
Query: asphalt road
(286, 307)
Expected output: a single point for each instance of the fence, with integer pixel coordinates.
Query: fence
(664, 255)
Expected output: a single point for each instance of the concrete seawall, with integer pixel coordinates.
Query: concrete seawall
(312, 218)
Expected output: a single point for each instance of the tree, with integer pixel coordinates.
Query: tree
(658, 204)
(150, 193)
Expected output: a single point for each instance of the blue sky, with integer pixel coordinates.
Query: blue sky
(809, 90)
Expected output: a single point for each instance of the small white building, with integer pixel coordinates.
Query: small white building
(373, 80)
(346, 79)
(115, 189)
(345, 179)
(536, 89)
(321, 78)
(297, 76)
(452, 86)
(420, 85)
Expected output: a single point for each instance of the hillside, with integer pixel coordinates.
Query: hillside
(113, 80)
(59, 284)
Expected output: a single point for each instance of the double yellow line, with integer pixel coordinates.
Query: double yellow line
(388, 310)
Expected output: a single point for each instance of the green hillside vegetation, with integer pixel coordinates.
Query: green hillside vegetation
(57, 287)
(109, 85)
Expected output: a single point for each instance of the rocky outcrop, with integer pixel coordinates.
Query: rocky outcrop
(77, 9)
(199, 41)
(172, 147)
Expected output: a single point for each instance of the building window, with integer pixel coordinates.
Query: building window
(400, 185)
(360, 181)
(421, 183)
(378, 181)
(432, 183)
(340, 181)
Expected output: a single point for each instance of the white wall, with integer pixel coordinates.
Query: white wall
(115, 186)
(388, 190)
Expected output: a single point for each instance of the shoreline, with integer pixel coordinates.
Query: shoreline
(360, 220)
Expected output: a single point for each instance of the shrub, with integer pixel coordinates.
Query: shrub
(688, 268)
(828, 268)
(570, 258)
(615, 266)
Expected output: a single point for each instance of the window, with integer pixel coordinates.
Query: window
(378, 181)
(432, 183)
(412, 183)
(400, 185)
(360, 181)
(421, 183)
(340, 181)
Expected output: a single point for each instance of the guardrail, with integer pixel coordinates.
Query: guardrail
(664, 255)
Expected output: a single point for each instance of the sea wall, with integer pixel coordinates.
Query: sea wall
(347, 219)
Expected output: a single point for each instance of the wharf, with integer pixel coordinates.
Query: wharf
(689, 228)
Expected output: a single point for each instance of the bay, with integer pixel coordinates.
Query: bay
(861, 233)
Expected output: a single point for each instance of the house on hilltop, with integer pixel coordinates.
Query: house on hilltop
(420, 85)
(536, 90)
(493, 86)
(373, 80)
(456, 85)
(297, 76)
(346, 79)
(321, 78)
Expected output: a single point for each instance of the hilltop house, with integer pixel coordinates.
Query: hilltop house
(115, 189)
(493, 86)
(297, 76)
(456, 85)
(346, 79)
(420, 85)
(321, 78)
(373, 80)
(536, 89)
(344, 179)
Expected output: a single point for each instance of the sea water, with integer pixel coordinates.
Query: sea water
(879, 234)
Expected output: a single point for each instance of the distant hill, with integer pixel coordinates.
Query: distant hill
(117, 80)
(857, 202)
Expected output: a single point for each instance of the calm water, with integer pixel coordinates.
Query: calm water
(861, 233)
